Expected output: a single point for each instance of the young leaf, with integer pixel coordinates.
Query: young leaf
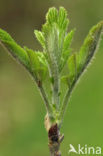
(79, 61)
(54, 32)
(72, 69)
(63, 21)
(66, 51)
(15, 50)
(89, 47)
(38, 63)
(40, 37)
(51, 16)
(67, 40)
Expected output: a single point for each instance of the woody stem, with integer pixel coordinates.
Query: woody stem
(55, 140)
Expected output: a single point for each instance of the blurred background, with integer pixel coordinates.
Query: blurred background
(22, 111)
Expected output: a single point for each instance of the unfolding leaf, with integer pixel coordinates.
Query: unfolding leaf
(34, 61)
(37, 63)
(89, 47)
(77, 62)
(67, 40)
(42, 58)
(66, 51)
(15, 50)
(4, 36)
(40, 37)
(54, 31)
(72, 69)
(63, 21)
(52, 16)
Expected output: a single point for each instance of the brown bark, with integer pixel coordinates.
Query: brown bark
(54, 140)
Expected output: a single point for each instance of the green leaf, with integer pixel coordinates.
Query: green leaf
(66, 51)
(57, 42)
(37, 63)
(68, 40)
(89, 47)
(42, 58)
(52, 45)
(34, 61)
(77, 62)
(55, 30)
(15, 50)
(41, 73)
(40, 37)
(63, 21)
(4, 36)
(72, 69)
(51, 16)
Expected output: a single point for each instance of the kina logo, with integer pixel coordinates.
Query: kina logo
(82, 150)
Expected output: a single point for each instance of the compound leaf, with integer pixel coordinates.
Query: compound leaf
(89, 47)
(53, 35)
(15, 50)
(38, 63)
(77, 62)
